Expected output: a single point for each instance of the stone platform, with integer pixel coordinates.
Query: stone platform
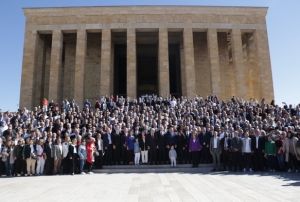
(156, 186)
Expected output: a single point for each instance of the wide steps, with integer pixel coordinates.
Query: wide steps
(183, 168)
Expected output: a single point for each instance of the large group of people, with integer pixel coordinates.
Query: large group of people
(234, 135)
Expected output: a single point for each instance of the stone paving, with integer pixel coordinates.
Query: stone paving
(158, 186)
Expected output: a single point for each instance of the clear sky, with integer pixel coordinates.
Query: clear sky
(283, 22)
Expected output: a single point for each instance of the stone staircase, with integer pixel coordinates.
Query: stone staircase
(181, 168)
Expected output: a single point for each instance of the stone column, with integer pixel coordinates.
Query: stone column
(264, 64)
(28, 67)
(240, 71)
(105, 68)
(79, 67)
(131, 63)
(189, 64)
(163, 72)
(55, 65)
(213, 52)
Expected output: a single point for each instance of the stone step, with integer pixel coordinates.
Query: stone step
(185, 168)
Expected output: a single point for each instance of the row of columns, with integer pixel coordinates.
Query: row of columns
(187, 70)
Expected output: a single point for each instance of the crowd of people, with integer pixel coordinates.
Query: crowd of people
(234, 135)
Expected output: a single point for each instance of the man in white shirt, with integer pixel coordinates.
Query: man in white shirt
(215, 150)
(247, 153)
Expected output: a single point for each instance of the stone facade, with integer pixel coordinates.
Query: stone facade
(69, 52)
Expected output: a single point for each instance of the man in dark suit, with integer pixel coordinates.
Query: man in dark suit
(116, 142)
(225, 145)
(161, 154)
(235, 154)
(258, 147)
(108, 146)
(72, 156)
(152, 142)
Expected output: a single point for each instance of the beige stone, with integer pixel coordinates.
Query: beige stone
(55, 64)
(131, 63)
(80, 66)
(58, 70)
(105, 62)
(163, 69)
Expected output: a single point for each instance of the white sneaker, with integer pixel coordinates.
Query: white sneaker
(82, 173)
(90, 173)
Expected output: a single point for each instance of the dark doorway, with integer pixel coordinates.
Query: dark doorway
(120, 73)
(147, 69)
(174, 68)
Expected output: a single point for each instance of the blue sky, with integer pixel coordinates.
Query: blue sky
(283, 22)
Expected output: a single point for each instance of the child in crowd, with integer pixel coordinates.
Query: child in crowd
(173, 156)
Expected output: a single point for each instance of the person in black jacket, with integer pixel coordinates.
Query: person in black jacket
(153, 146)
(116, 142)
(72, 156)
(108, 146)
(258, 147)
(20, 164)
(144, 147)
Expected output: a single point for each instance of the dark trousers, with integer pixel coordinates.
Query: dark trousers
(258, 161)
(271, 162)
(123, 156)
(207, 158)
(89, 166)
(20, 166)
(130, 156)
(161, 155)
(293, 162)
(49, 166)
(66, 165)
(152, 156)
(195, 158)
(225, 159)
(247, 159)
(116, 155)
(99, 160)
(235, 160)
(108, 155)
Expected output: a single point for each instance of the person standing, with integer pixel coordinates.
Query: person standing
(72, 156)
(82, 156)
(215, 150)
(99, 152)
(258, 147)
(235, 152)
(137, 152)
(19, 162)
(270, 152)
(58, 156)
(144, 148)
(40, 157)
(30, 156)
(194, 149)
(130, 147)
(172, 156)
(247, 153)
(90, 153)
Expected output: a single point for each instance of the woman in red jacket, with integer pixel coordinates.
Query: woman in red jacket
(90, 150)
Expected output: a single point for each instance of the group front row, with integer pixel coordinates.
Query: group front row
(236, 151)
